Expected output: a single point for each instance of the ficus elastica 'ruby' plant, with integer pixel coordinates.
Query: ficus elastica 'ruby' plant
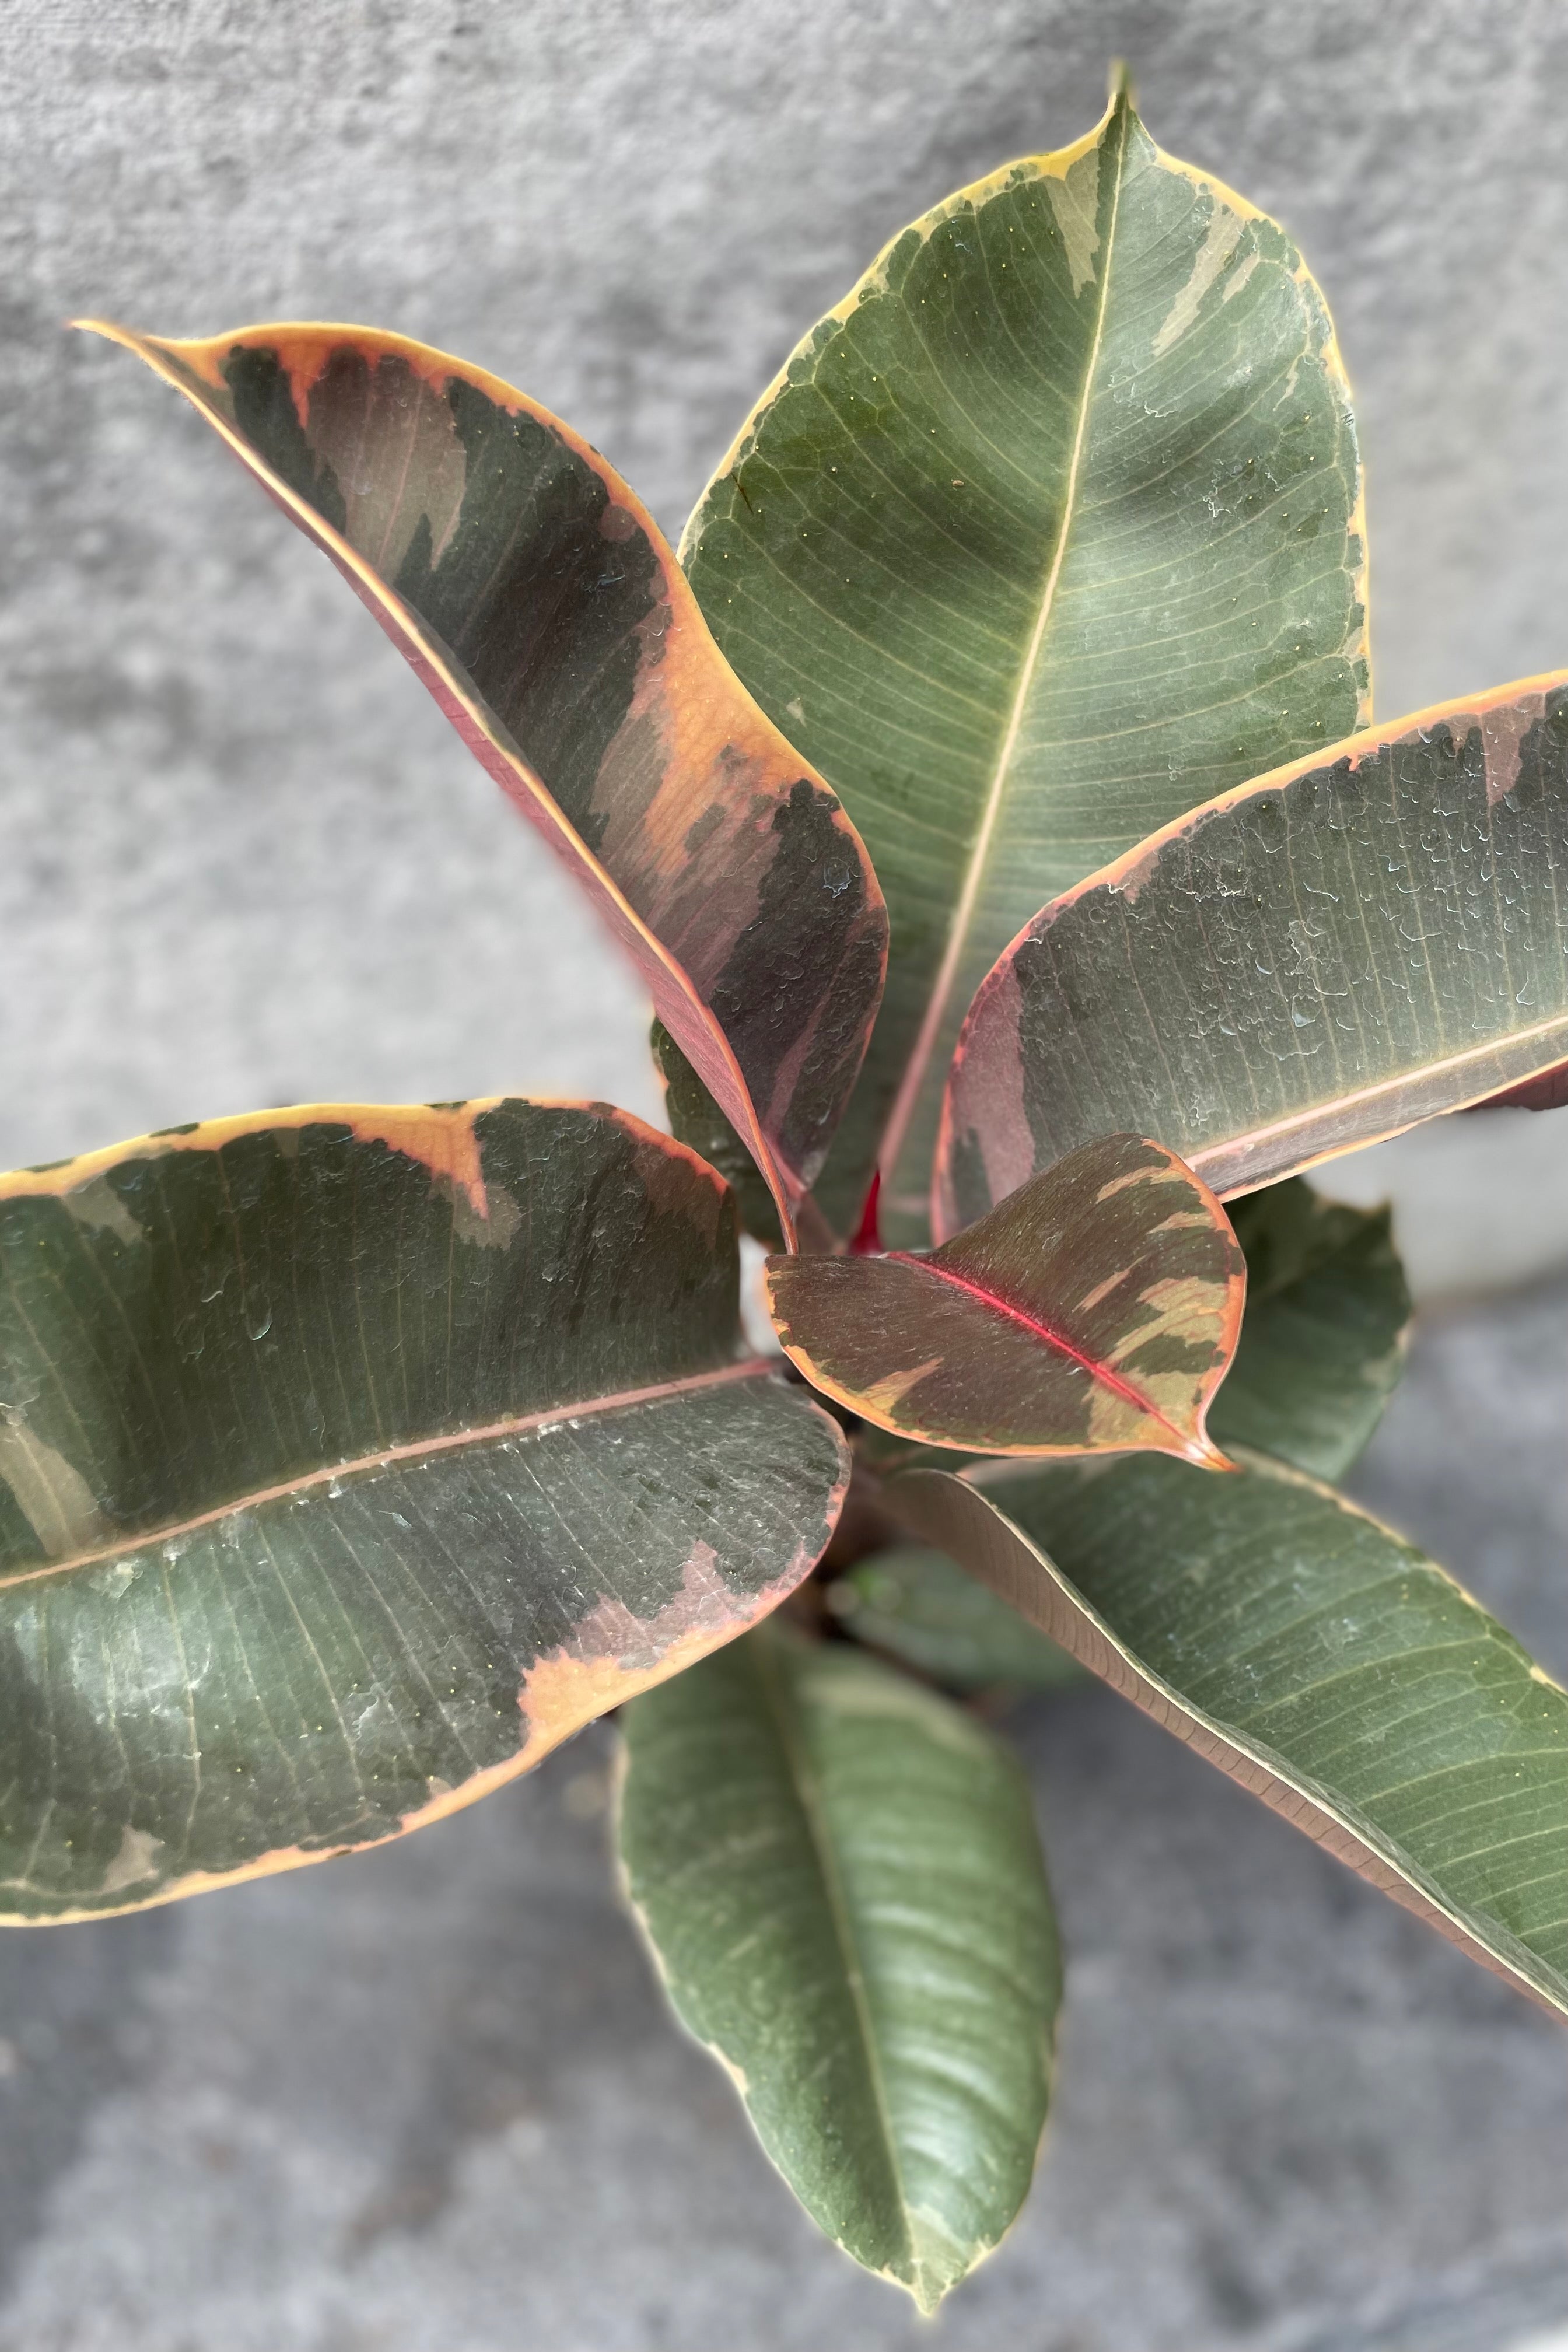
(988, 793)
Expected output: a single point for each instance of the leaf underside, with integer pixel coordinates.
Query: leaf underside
(352, 1459)
(1049, 533)
(537, 600)
(1096, 1308)
(1314, 1656)
(839, 1874)
(1342, 948)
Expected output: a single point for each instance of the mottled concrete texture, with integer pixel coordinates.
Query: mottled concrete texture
(427, 2102)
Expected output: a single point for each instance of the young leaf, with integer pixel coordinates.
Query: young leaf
(921, 1609)
(1049, 531)
(1322, 1339)
(535, 597)
(1312, 1654)
(1336, 951)
(1097, 1308)
(839, 1876)
(349, 1460)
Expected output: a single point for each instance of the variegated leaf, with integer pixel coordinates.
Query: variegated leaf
(349, 1460)
(1097, 1308)
(1341, 949)
(536, 598)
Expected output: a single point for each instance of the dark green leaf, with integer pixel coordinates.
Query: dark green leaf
(1317, 1658)
(1322, 1344)
(349, 1460)
(839, 1874)
(1049, 531)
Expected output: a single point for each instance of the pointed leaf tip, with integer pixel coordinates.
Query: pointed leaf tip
(841, 1876)
(1205, 1455)
(923, 557)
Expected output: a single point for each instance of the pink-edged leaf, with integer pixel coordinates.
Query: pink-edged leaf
(1095, 1310)
(536, 598)
(352, 1457)
(1340, 949)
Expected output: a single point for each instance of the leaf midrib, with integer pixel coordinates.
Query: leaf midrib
(1126, 1391)
(808, 1798)
(912, 1084)
(387, 1456)
(1217, 1155)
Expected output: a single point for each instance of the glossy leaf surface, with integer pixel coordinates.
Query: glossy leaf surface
(1097, 1308)
(925, 1610)
(839, 1874)
(1317, 1659)
(349, 1460)
(535, 597)
(1321, 1345)
(1324, 957)
(1049, 531)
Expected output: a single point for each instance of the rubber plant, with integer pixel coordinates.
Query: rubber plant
(989, 798)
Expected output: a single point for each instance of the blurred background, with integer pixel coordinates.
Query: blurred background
(428, 2101)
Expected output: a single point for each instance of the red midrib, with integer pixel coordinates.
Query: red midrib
(1048, 1333)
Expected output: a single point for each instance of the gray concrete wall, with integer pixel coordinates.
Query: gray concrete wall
(241, 862)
